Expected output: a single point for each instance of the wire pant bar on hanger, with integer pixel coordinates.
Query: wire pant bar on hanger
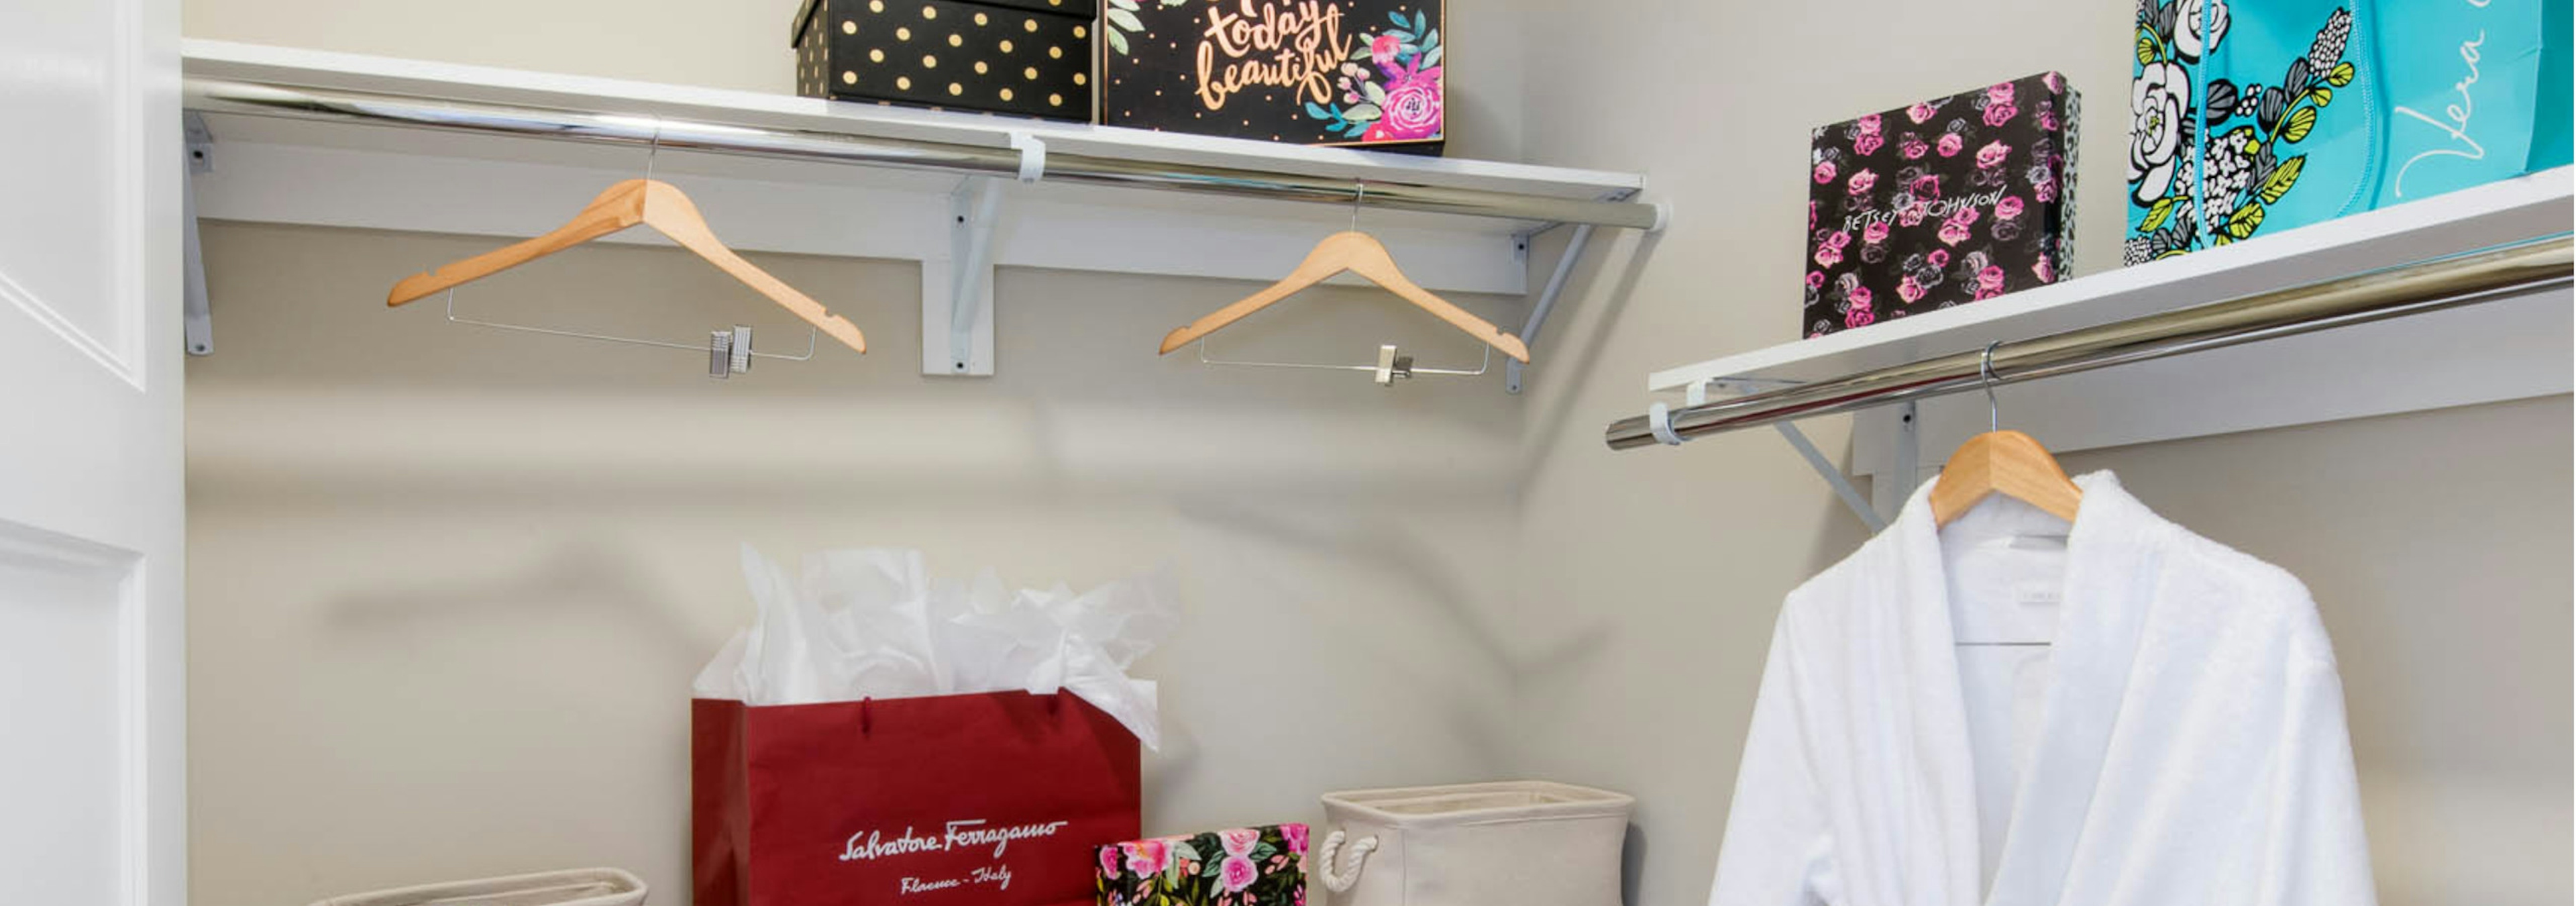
(235, 97)
(2441, 283)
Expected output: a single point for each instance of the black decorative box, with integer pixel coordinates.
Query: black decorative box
(1304, 72)
(1947, 201)
(1029, 57)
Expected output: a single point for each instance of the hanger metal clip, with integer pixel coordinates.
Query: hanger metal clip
(729, 352)
(1392, 364)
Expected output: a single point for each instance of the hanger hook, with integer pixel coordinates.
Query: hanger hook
(1359, 195)
(1986, 372)
(653, 150)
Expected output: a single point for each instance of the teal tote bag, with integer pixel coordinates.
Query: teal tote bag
(2256, 116)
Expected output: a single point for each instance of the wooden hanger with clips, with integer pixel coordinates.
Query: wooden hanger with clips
(644, 202)
(1359, 253)
(2002, 462)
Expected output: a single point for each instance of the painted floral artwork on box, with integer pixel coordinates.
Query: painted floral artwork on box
(1249, 866)
(1313, 72)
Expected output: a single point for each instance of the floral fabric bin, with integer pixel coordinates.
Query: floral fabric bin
(1240, 867)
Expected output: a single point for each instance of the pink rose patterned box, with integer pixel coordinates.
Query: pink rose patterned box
(1250, 866)
(1947, 201)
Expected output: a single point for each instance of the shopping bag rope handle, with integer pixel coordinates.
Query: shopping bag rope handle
(1335, 879)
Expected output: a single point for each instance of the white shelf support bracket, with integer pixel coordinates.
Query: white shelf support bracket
(1896, 485)
(957, 293)
(1546, 303)
(197, 315)
(1842, 483)
(1849, 493)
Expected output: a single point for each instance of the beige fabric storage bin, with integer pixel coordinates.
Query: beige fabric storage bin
(579, 887)
(1480, 844)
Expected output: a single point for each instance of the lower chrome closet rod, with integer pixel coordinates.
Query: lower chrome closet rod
(219, 96)
(2450, 282)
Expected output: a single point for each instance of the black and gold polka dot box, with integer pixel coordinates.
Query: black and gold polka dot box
(1030, 57)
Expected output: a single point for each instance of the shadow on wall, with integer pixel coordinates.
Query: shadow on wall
(1400, 552)
(1632, 864)
(1573, 363)
(317, 390)
(583, 580)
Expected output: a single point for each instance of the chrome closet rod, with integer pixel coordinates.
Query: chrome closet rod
(223, 96)
(2441, 283)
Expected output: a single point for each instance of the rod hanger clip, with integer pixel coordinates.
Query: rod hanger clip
(1659, 419)
(1033, 154)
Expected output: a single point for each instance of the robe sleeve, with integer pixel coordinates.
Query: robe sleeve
(2316, 852)
(1777, 845)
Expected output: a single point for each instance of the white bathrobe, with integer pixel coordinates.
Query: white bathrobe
(2180, 741)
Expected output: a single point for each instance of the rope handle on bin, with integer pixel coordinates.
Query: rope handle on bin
(1335, 879)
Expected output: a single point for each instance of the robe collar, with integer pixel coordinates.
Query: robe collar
(2113, 551)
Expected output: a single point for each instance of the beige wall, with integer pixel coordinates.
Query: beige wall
(730, 44)
(419, 547)
(2448, 601)
(448, 585)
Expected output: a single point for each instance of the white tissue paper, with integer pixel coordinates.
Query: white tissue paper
(859, 624)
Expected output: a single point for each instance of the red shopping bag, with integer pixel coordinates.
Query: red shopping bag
(997, 798)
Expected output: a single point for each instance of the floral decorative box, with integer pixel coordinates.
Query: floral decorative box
(1028, 57)
(1305, 72)
(1240, 867)
(1947, 201)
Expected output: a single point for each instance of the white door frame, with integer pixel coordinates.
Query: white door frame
(93, 797)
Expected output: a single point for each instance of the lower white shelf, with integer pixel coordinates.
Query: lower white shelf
(2503, 350)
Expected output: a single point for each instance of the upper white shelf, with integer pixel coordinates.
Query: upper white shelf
(480, 84)
(2525, 208)
(383, 158)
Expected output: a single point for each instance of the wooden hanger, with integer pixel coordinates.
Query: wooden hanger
(1358, 253)
(634, 202)
(2002, 462)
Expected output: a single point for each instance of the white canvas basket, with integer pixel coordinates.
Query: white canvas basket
(1474, 845)
(580, 887)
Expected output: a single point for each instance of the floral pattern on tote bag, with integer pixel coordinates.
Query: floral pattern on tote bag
(2243, 136)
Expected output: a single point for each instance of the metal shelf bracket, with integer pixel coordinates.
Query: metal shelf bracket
(1565, 262)
(197, 314)
(1546, 303)
(957, 293)
(1876, 517)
